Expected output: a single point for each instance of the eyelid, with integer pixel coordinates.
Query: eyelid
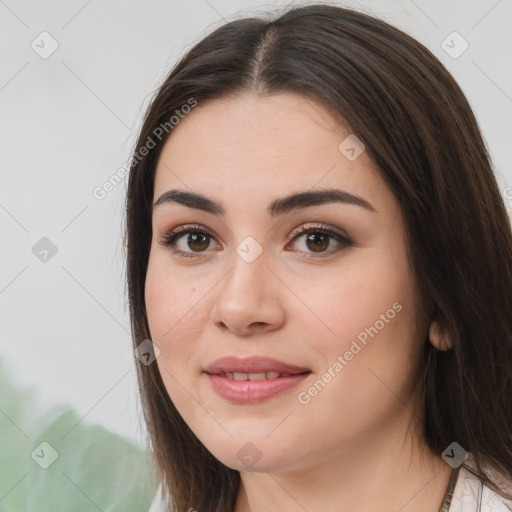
(178, 232)
(340, 238)
(186, 228)
(319, 226)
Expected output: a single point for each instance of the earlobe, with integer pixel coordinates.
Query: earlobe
(438, 336)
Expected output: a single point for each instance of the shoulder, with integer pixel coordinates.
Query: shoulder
(470, 494)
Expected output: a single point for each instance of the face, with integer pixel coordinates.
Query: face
(319, 284)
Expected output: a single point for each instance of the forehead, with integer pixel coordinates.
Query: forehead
(263, 147)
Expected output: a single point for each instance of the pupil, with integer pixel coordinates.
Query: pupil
(195, 240)
(320, 241)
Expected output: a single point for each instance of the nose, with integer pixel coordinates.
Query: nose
(249, 299)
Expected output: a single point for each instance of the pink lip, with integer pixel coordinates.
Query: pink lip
(252, 364)
(246, 391)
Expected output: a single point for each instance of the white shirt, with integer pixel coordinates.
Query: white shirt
(469, 495)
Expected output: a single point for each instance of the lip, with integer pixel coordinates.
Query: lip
(250, 392)
(247, 391)
(253, 364)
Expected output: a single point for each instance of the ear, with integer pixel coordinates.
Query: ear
(439, 336)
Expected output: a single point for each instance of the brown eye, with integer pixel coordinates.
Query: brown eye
(198, 241)
(317, 242)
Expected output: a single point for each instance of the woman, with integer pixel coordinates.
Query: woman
(320, 255)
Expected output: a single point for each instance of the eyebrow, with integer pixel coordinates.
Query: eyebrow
(278, 207)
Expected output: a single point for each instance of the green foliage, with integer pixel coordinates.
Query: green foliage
(95, 469)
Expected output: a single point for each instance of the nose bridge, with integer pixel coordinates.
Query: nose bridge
(247, 277)
(247, 296)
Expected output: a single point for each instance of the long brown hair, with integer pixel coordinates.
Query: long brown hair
(419, 129)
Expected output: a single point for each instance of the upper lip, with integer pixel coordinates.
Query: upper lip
(254, 364)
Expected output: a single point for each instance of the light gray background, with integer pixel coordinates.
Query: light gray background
(68, 122)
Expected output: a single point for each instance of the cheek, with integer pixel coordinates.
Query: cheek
(170, 295)
(368, 317)
(340, 303)
(171, 305)
(174, 325)
(370, 385)
(374, 357)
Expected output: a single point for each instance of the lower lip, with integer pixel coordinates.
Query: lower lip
(253, 391)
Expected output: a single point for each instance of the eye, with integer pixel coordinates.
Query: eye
(198, 240)
(318, 239)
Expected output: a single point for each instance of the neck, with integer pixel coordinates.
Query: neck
(391, 473)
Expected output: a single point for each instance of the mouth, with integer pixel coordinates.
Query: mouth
(253, 379)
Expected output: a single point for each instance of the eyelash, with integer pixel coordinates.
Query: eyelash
(169, 239)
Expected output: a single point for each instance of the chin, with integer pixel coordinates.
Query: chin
(251, 454)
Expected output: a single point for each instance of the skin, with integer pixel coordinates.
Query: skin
(355, 446)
